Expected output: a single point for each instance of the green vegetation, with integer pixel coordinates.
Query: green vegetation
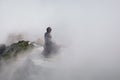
(14, 49)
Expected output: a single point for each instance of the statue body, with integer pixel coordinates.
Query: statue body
(49, 47)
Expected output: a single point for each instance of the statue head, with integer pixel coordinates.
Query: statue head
(48, 29)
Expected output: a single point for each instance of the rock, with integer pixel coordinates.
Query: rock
(14, 49)
(2, 48)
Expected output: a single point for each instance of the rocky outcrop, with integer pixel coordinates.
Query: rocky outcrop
(7, 52)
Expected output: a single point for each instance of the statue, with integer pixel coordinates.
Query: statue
(49, 47)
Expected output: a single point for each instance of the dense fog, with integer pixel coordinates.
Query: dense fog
(87, 31)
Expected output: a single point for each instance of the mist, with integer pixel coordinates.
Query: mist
(87, 31)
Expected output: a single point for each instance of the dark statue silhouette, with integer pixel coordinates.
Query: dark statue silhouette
(50, 48)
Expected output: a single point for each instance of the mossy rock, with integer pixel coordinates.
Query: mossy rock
(16, 48)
